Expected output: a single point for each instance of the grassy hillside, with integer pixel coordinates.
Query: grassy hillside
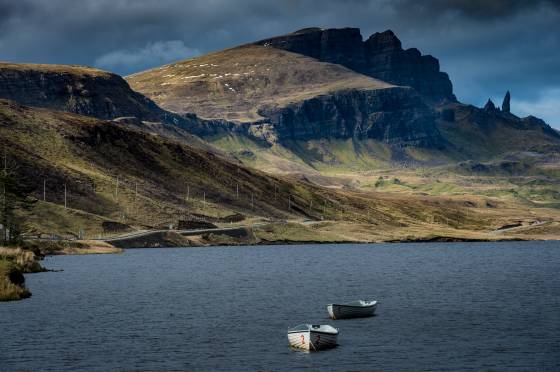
(234, 83)
(77, 70)
(114, 173)
(118, 179)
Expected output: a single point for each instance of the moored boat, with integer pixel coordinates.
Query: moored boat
(354, 309)
(313, 337)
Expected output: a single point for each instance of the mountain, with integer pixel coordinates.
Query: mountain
(100, 176)
(317, 99)
(380, 56)
(92, 92)
(281, 96)
(78, 89)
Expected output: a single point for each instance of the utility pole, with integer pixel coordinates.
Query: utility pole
(237, 189)
(44, 190)
(188, 192)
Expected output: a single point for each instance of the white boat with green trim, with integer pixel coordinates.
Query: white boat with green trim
(312, 337)
(354, 309)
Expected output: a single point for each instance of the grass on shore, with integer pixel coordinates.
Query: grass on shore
(64, 247)
(13, 263)
(10, 289)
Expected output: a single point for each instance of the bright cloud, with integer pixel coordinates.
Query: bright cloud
(546, 107)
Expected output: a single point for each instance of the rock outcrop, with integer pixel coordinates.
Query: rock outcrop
(381, 56)
(490, 106)
(397, 116)
(342, 46)
(388, 61)
(80, 90)
(505, 103)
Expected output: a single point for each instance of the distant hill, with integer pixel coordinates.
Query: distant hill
(321, 98)
(236, 83)
(92, 92)
(110, 176)
(481, 134)
(287, 96)
(78, 89)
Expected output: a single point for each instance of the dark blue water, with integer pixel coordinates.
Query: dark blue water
(471, 306)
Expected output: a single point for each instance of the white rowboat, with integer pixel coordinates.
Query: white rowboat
(354, 309)
(312, 337)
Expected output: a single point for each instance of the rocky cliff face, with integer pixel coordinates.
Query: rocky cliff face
(341, 46)
(388, 61)
(380, 56)
(397, 116)
(80, 90)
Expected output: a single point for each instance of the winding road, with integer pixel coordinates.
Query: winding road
(189, 232)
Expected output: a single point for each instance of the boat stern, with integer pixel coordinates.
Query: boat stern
(299, 340)
(330, 309)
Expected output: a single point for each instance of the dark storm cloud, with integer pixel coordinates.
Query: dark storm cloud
(479, 9)
(12, 11)
(486, 46)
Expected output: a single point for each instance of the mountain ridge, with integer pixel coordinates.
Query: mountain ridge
(261, 88)
(380, 56)
(285, 103)
(267, 87)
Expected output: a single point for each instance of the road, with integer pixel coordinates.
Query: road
(536, 223)
(144, 233)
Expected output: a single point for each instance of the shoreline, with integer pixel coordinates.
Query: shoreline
(94, 247)
(435, 239)
(164, 242)
(14, 262)
(327, 232)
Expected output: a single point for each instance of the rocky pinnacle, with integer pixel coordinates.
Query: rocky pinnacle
(489, 106)
(505, 104)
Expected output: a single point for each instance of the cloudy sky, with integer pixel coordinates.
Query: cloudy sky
(486, 46)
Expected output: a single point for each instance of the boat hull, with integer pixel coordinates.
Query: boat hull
(312, 340)
(346, 311)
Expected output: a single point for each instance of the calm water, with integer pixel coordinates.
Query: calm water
(482, 306)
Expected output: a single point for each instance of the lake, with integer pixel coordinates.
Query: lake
(443, 306)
